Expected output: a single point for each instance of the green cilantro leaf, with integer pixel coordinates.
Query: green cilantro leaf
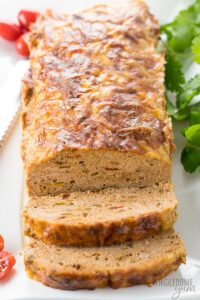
(174, 76)
(170, 107)
(190, 157)
(192, 134)
(195, 116)
(190, 113)
(196, 49)
(181, 31)
(188, 91)
(182, 114)
(182, 43)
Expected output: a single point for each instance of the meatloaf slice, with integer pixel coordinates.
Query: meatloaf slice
(71, 268)
(101, 218)
(93, 103)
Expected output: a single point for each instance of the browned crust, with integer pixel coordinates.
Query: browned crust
(115, 279)
(130, 116)
(100, 233)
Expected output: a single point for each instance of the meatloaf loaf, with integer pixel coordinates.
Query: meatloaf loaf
(139, 262)
(93, 102)
(101, 218)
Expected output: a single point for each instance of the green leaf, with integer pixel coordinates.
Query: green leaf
(170, 107)
(181, 31)
(182, 114)
(190, 156)
(178, 114)
(196, 49)
(195, 117)
(182, 42)
(190, 113)
(192, 134)
(189, 89)
(174, 76)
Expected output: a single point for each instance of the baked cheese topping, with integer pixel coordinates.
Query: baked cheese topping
(96, 82)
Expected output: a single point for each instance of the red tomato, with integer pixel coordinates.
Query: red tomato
(1, 242)
(7, 261)
(10, 32)
(22, 46)
(26, 18)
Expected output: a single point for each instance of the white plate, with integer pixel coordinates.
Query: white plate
(187, 279)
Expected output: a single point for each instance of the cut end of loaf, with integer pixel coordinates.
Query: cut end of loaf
(94, 170)
(139, 262)
(105, 217)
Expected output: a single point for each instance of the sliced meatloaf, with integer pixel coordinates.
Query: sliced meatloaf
(93, 102)
(104, 217)
(139, 262)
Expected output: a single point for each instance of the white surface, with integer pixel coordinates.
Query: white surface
(187, 187)
(11, 105)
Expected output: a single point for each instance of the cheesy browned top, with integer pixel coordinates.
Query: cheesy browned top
(96, 82)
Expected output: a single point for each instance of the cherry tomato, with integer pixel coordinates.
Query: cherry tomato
(10, 32)
(1, 242)
(27, 17)
(7, 261)
(22, 46)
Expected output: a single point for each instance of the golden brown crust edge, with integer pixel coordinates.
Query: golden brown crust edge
(100, 233)
(115, 279)
(133, 14)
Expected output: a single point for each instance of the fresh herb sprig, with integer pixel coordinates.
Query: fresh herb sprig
(181, 39)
